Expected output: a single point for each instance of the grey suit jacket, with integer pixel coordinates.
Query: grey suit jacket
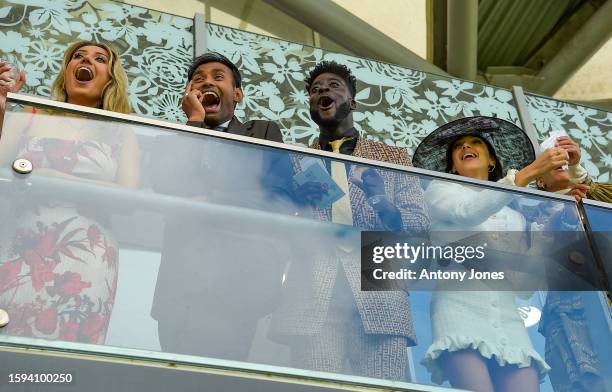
(260, 129)
(226, 173)
(189, 165)
(309, 284)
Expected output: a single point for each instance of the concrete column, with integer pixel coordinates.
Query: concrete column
(360, 38)
(577, 51)
(462, 38)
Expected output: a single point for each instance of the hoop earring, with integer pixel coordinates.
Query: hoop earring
(491, 168)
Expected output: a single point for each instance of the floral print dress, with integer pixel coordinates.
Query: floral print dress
(58, 263)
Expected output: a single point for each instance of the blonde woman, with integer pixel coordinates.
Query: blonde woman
(58, 258)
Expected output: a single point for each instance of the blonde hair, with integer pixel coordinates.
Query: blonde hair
(115, 93)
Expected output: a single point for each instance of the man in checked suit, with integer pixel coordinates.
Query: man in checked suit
(217, 278)
(324, 316)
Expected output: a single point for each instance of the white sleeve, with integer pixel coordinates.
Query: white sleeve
(578, 174)
(460, 205)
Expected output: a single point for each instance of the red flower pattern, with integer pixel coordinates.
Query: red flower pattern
(110, 255)
(68, 330)
(66, 308)
(20, 320)
(91, 327)
(41, 271)
(61, 154)
(70, 284)
(50, 282)
(9, 271)
(46, 320)
(94, 236)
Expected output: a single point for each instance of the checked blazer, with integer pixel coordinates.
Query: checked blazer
(310, 283)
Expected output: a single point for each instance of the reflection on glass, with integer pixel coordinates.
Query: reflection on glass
(59, 256)
(478, 324)
(324, 317)
(570, 333)
(600, 222)
(220, 254)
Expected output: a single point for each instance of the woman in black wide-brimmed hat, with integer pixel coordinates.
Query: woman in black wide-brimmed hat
(479, 340)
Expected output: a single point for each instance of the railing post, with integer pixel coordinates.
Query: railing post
(525, 117)
(199, 34)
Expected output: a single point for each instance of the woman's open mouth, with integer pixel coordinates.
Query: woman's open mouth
(468, 156)
(84, 74)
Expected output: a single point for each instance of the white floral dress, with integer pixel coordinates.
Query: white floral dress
(58, 263)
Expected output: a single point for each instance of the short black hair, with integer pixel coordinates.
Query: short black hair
(334, 68)
(494, 175)
(215, 57)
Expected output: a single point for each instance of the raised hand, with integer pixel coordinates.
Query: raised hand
(550, 159)
(6, 86)
(370, 182)
(192, 104)
(310, 193)
(572, 148)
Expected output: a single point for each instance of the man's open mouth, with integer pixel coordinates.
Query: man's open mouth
(325, 103)
(84, 74)
(211, 100)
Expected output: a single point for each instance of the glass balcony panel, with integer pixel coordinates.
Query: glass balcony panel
(128, 234)
(599, 216)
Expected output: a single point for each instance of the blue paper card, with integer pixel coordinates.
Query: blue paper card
(314, 171)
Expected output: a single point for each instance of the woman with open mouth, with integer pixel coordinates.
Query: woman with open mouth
(479, 341)
(60, 256)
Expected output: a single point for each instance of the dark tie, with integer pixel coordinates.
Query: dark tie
(217, 128)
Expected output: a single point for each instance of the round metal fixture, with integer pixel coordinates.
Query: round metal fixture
(22, 166)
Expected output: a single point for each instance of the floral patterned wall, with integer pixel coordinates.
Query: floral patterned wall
(396, 105)
(156, 49)
(591, 128)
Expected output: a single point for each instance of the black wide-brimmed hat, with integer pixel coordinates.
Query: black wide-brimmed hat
(511, 144)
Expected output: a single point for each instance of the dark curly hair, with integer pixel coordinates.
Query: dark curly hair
(334, 68)
(214, 57)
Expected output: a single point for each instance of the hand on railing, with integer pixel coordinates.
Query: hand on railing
(579, 191)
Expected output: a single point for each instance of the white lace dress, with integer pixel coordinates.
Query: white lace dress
(487, 321)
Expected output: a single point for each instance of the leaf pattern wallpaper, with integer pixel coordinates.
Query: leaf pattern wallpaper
(396, 105)
(591, 128)
(155, 48)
